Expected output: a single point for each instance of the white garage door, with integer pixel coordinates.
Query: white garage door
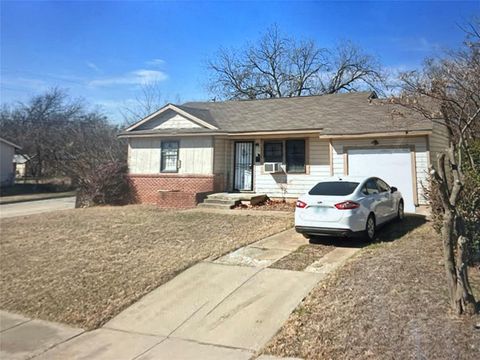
(392, 165)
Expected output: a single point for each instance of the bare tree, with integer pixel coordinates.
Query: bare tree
(148, 100)
(350, 69)
(280, 66)
(66, 139)
(447, 91)
(37, 125)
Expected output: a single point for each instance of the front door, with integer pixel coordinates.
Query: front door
(243, 166)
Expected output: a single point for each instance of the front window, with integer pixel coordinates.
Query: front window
(289, 152)
(273, 151)
(295, 156)
(169, 160)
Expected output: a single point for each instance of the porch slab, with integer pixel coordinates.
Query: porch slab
(253, 256)
(173, 348)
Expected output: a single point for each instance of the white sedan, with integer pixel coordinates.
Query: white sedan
(346, 206)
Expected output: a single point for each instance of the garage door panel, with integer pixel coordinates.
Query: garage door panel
(392, 165)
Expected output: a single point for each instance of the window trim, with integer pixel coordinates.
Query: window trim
(284, 154)
(162, 158)
(281, 142)
(304, 157)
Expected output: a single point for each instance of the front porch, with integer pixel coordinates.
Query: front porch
(229, 200)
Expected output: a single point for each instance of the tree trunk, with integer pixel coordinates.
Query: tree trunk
(461, 296)
(448, 254)
(464, 299)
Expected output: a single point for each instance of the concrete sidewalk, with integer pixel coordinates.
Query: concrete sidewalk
(12, 199)
(226, 308)
(36, 207)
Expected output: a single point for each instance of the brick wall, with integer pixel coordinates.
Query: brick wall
(184, 190)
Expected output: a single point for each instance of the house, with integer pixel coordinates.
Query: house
(7, 167)
(21, 164)
(279, 147)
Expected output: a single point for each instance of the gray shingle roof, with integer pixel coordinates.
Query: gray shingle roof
(350, 113)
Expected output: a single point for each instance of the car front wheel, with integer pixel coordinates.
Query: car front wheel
(370, 230)
(400, 211)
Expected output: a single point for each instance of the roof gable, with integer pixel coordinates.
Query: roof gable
(10, 143)
(171, 117)
(346, 113)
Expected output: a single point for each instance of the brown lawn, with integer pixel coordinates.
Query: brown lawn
(389, 302)
(83, 266)
(301, 258)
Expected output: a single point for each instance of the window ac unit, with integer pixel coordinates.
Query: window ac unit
(272, 167)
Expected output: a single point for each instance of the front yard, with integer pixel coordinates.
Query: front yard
(84, 266)
(388, 302)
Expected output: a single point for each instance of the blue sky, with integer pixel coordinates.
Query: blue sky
(103, 51)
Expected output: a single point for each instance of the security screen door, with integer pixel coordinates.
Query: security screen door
(243, 169)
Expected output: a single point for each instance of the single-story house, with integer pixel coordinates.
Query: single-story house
(7, 166)
(279, 147)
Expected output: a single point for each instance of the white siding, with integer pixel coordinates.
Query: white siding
(168, 120)
(421, 156)
(220, 164)
(438, 142)
(195, 155)
(7, 175)
(293, 185)
(177, 122)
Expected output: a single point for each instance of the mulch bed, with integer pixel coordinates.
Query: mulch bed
(84, 266)
(301, 258)
(272, 205)
(389, 302)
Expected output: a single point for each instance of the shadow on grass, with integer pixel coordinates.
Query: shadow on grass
(386, 233)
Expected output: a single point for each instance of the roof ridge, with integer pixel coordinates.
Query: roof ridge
(366, 92)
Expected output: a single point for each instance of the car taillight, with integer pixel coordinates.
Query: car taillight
(347, 205)
(301, 204)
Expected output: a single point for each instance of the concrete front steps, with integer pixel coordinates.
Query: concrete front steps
(230, 200)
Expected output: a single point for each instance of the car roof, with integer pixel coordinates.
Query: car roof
(350, 178)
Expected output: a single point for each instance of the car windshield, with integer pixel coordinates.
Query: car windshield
(334, 188)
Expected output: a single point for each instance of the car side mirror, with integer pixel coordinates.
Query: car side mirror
(393, 189)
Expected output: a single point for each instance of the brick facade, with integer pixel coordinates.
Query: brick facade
(174, 190)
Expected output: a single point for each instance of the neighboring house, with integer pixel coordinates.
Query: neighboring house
(7, 167)
(21, 162)
(280, 147)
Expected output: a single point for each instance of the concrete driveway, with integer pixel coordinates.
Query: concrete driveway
(225, 308)
(37, 206)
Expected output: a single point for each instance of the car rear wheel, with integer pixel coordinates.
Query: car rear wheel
(400, 211)
(370, 228)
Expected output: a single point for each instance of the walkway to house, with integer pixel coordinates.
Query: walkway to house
(225, 308)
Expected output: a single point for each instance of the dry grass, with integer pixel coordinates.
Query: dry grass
(390, 302)
(301, 258)
(83, 266)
